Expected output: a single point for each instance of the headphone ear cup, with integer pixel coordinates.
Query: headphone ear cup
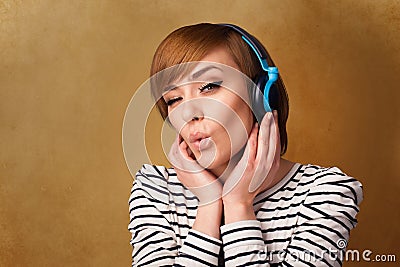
(257, 97)
(273, 97)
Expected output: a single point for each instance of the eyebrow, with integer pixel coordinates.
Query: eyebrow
(194, 76)
(169, 88)
(197, 74)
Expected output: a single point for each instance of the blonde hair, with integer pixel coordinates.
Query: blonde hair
(193, 42)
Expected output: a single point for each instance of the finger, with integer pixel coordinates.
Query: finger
(264, 136)
(271, 147)
(183, 148)
(277, 134)
(276, 154)
(278, 138)
(275, 113)
(173, 150)
(266, 148)
(174, 146)
(249, 149)
(173, 154)
(188, 152)
(246, 161)
(272, 143)
(252, 142)
(272, 152)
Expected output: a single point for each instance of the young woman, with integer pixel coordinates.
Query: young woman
(230, 199)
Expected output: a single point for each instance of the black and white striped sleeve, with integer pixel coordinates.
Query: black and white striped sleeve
(325, 220)
(153, 238)
(243, 244)
(320, 235)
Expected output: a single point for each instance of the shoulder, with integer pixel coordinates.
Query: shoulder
(325, 179)
(152, 182)
(161, 184)
(152, 175)
(331, 190)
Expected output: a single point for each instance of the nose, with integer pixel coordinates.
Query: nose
(192, 111)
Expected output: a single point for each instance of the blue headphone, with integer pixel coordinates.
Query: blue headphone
(265, 80)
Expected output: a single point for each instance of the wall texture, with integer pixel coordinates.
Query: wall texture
(69, 68)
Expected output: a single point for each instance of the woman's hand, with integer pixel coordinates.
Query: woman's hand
(256, 169)
(202, 183)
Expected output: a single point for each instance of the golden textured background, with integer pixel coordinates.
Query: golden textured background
(69, 68)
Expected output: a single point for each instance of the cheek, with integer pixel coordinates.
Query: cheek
(224, 148)
(233, 121)
(244, 112)
(244, 118)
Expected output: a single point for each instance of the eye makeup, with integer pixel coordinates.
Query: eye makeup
(210, 86)
(205, 88)
(171, 101)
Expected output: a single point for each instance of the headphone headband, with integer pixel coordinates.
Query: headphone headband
(269, 75)
(253, 43)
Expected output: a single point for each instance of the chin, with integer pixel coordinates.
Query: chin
(216, 164)
(215, 159)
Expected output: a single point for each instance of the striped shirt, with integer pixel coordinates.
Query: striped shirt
(304, 220)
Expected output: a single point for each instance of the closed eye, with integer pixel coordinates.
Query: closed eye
(208, 87)
(173, 100)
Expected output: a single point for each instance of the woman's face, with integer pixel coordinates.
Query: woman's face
(210, 112)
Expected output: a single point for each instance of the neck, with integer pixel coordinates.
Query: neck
(225, 170)
(284, 167)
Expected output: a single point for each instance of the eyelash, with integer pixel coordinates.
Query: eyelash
(208, 87)
(172, 101)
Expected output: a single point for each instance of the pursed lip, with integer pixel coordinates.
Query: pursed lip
(196, 137)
